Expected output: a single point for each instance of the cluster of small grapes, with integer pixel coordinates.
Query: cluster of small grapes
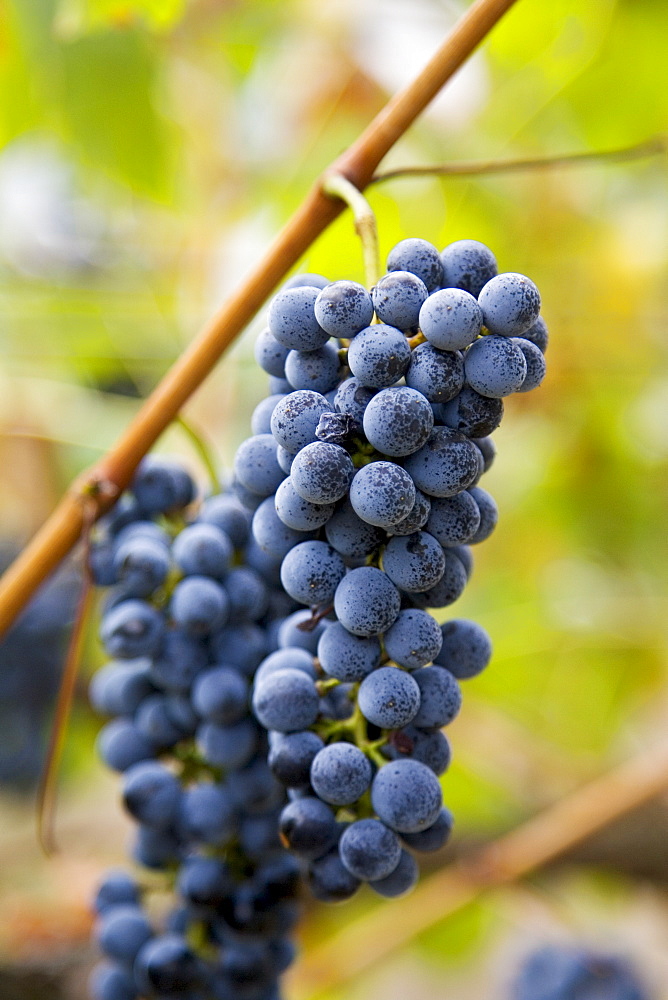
(362, 472)
(573, 973)
(191, 612)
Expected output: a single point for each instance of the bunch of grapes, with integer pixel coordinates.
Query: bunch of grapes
(363, 474)
(192, 609)
(573, 973)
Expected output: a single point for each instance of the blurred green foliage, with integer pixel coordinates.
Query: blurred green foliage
(148, 151)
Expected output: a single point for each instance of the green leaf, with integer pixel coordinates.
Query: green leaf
(109, 108)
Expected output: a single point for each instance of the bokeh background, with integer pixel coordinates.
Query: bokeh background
(149, 149)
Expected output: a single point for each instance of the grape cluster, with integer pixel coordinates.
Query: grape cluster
(362, 473)
(192, 609)
(572, 973)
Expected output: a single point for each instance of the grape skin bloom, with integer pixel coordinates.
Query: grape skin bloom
(398, 421)
(382, 493)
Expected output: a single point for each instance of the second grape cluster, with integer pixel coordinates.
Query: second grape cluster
(363, 474)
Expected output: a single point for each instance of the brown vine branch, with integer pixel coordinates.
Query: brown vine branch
(364, 942)
(471, 168)
(358, 163)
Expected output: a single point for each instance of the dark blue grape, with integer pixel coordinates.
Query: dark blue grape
(322, 472)
(440, 698)
(132, 629)
(429, 747)
(308, 279)
(287, 658)
(389, 698)
(151, 794)
(420, 258)
(254, 789)
(467, 264)
(292, 320)
(228, 746)
(340, 773)
(295, 418)
(367, 602)
(286, 700)
(247, 593)
(141, 565)
(225, 512)
(261, 415)
(249, 501)
(352, 537)
(290, 634)
(379, 355)
(272, 534)
(279, 386)
(535, 363)
(495, 366)
(398, 421)
(510, 304)
(401, 880)
(449, 587)
(204, 881)
(538, 334)
(112, 982)
(221, 695)
(451, 319)
(270, 355)
(434, 837)
(308, 827)
(414, 640)
(122, 931)
(382, 493)
(472, 414)
(487, 450)
(397, 299)
(161, 485)
(296, 512)
(291, 755)
(489, 514)
(330, 881)
(317, 370)
(286, 458)
(119, 687)
(369, 850)
(167, 966)
(352, 398)
(466, 648)
(203, 550)
(207, 814)
(199, 605)
(406, 796)
(346, 656)
(116, 889)
(343, 308)
(120, 745)
(157, 849)
(242, 646)
(438, 375)
(154, 720)
(454, 520)
(256, 466)
(445, 465)
(414, 563)
(311, 572)
(415, 519)
(179, 660)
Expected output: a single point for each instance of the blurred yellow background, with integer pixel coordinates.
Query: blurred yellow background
(149, 150)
